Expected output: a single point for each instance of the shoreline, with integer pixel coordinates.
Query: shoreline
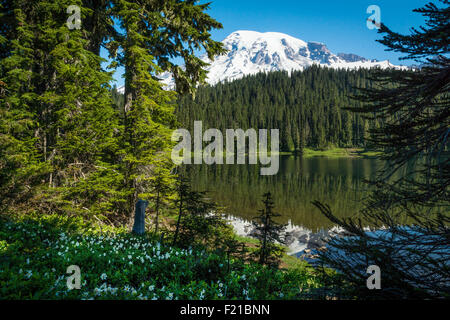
(360, 153)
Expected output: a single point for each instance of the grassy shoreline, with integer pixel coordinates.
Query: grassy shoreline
(309, 152)
(340, 152)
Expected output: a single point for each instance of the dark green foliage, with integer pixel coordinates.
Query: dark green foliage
(269, 233)
(57, 118)
(233, 248)
(307, 107)
(182, 189)
(413, 109)
(200, 221)
(161, 187)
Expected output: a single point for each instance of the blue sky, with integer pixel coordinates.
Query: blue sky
(341, 25)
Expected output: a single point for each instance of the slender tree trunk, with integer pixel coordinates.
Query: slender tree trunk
(157, 212)
(179, 220)
(130, 93)
(262, 259)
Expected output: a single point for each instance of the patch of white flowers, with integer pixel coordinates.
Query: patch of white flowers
(117, 267)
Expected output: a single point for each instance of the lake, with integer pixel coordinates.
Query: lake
(335, 181)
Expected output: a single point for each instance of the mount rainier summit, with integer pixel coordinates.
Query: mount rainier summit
(251, 52)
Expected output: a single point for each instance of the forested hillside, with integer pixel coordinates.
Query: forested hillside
(307, 107)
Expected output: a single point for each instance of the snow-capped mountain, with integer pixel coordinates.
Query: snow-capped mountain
(251, 52)
(121, 90)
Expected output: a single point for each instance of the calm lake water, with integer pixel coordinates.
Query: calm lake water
(335, 181)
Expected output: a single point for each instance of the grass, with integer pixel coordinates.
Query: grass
(292, 263)
(332, 152)
(247, 240)
(338, 153)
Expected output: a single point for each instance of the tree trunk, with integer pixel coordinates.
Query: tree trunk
(178, 222)
(157, 213)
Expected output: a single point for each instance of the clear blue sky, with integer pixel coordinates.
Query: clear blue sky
(341, 25)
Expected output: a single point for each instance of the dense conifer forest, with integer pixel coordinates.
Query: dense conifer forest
(307, 106)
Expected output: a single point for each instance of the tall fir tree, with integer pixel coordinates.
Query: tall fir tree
(155, 31)
(269, 233)
(57, 91)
